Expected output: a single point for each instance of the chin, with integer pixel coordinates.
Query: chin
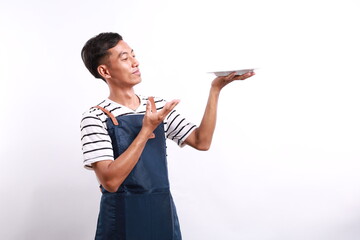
(137, 81)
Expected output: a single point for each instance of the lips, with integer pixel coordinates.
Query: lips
(136, 72)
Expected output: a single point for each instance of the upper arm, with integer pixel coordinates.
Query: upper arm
(96, 142)
(191, 139)
(101, 168)
(194, 141)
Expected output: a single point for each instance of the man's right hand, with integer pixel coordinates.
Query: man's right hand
(153, 118)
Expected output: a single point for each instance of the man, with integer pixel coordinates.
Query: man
(124, 143)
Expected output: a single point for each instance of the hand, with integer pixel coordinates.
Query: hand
(222, 81)
(153, 119)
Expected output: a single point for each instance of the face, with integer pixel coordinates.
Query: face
(121, 67)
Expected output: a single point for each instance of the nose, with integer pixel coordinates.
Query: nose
(135, 62)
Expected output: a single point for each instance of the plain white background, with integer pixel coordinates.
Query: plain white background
(285, 159)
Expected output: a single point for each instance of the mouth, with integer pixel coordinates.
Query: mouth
(136, 72)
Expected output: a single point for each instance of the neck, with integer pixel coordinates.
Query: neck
(127, 98)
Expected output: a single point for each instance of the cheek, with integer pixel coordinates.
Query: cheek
(121, 70)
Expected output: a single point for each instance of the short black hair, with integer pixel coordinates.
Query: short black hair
(96, 48)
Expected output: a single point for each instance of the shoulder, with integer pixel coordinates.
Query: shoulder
(94, 114)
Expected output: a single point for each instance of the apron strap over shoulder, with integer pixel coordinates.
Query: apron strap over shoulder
(109, 114)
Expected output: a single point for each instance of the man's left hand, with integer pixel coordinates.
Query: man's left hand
(222, 81)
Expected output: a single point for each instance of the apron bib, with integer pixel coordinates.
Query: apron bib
(142, 208)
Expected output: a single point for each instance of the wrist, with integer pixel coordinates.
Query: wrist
(146, 133)
(215, 90)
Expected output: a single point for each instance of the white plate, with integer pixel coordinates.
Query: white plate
(238, 72)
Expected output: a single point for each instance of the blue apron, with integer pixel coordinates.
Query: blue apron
(142, 208)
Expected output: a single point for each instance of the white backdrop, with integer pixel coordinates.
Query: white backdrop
(285, 159)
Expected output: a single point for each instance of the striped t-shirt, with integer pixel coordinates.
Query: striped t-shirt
(96, 142)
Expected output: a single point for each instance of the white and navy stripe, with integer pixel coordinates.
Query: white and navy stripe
(96, 142)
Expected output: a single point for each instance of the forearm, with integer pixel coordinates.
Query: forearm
(113, 174)
(204, 133)
(201, 137)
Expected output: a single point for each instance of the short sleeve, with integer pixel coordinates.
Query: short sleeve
(95, 140)
(177, 127)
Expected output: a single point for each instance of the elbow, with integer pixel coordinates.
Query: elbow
(202, 142)
(203, 147)
(108, 178)
(111, 186)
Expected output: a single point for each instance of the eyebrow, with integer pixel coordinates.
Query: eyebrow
(122, 53)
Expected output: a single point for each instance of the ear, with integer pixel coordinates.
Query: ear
(103, 71)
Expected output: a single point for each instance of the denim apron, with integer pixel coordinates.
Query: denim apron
(142, 208)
